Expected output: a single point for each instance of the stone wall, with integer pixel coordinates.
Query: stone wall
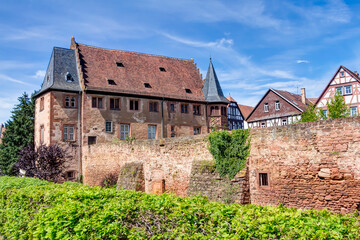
(309, 165)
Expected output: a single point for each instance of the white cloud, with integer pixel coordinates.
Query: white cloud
(221, 43)
(39, 74)
(302, 61)
(5, 78)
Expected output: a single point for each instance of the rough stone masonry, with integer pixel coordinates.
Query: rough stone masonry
(308, 165)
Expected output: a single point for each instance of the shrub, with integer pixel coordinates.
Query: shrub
(109, 180)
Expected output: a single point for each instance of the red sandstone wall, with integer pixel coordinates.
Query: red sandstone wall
(169, 159)
(311, 165)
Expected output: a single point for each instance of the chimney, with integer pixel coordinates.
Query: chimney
(356, 73)
(303, 96)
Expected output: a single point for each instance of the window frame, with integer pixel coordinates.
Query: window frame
(351, 112)
(277, 105)
(342, 74)
(266, 107)
(128, 131)
(171, 107)
(197, 109)
(260, 178)
(95, 104)
(185, 108)
(133, 103)
(151, 134)
(114, 104)
(71, 102)
(67, 127)
(197, 130)
(91, 142)
(111, 127)
(42, 134)
(345, 92)
(42, 104)
(284, 121)
(153, 106)
(338, 88)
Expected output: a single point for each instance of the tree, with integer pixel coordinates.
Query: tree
(47, 162)
(337, 107)
(310, 114)
(19, 133)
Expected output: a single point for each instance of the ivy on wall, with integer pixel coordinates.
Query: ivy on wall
(230, 150)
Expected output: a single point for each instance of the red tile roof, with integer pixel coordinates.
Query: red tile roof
(245, 110)
(293, 98)
(99, 66)
(313, 100)
(230, 99)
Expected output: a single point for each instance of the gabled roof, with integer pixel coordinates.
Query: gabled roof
(292, 98)
(230, 99)
(139, 73)
(352, 74)
(313, 100)
(62, 63)
(245, 110)
(212, 89)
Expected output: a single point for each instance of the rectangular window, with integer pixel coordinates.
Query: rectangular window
(184, 108)
(134, 105)
(339, 90)
(223, 111)
(41, 104)
(70, 175)
(91, 140)
(124, 131)
(197, 130)
(325, 112)
(342, 74)
(70, 102)
(354, 111)
(42, 131)
(69, 133)
(284, 122)
(172, 107)
(348, 89)
(196, 109)
(97, 102)
(172, 129)
(108, 126)
(114, 104)
(277, 105)
(263, 125)
(153, 107)
(152, 131)
(266, 107)
(263, 179)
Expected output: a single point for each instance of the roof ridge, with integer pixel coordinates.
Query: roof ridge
(140, 53)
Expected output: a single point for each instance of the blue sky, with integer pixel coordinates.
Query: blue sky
(254, 44)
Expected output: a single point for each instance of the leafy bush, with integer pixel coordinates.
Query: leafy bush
(230, 150)
(34, 209)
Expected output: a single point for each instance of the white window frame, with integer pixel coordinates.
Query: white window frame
(263, 124)
(69, 133)
(107, 127)
(348, 93)
(124, 131)
(152, 131)
(284, 122)
(277, 105)
(266, 107)
(351, 111)
(339, 88)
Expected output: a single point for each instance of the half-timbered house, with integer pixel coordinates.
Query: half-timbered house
(235, 118)
(345, 82)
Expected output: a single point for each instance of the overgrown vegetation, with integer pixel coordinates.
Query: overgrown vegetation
(336, 108)
(34, 209)
(230, 150)
(46, 162)
(19, 133)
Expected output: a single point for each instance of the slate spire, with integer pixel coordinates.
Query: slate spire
(212, 89)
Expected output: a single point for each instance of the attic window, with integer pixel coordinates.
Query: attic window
(187, 90)
(68, 77)
(162, 69)
(119, 64)
(111, 82)
(147, 85)
(342, 74)
(47, 77)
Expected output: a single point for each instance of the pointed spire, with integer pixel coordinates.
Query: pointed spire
(212, 89)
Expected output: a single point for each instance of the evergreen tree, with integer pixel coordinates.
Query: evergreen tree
(18, 134)
(337, 107)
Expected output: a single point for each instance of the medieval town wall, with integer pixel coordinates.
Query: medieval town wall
(309, 165)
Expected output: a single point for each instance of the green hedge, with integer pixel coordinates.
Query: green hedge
(34, 209)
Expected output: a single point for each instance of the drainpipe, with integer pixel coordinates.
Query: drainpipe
(79, 137)
(162, 118)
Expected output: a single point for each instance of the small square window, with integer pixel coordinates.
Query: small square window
(184, 108)
(91, 140)
(263, 125)
(187, 90)
(70, 175)
(197, 130)
(284, 122)
(134, 105)
(147, 85)
(111, 82)
(162, 69)
(263, 179)
(114, 104)
(353, 111)
(153, 107)
(119, 64)
(342, 74)
(108, 126)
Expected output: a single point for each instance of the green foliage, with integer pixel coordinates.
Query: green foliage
(34, 209)
(19, 133)
(230, 151)
(337, 107)
(310, 114)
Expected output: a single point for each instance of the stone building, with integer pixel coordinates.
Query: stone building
(345, 82)
(277, 108)
(92, 95)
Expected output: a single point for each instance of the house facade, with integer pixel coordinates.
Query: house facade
(245, 111)
(277, 108)
(345, 82)
(235, 118)
(93, 95)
